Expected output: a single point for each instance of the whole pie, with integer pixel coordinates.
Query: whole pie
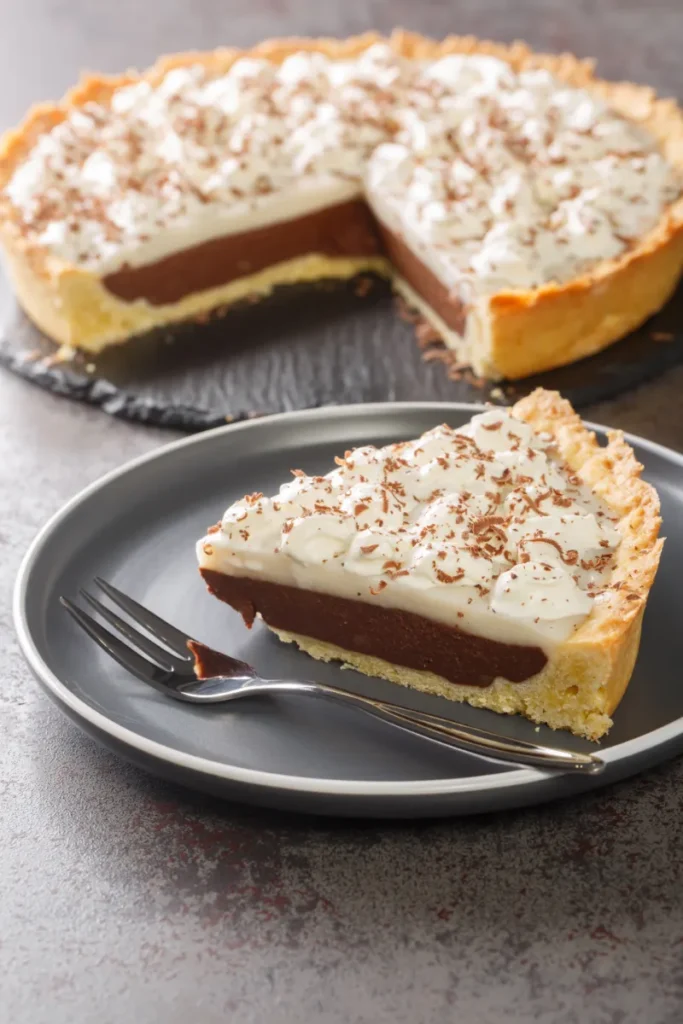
(530, 212)
(506, 563)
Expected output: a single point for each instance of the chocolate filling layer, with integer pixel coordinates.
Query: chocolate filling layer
(347, 229)
(423, 281)
(399, 637)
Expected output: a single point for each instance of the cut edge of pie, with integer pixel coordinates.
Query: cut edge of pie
(582, 684)
(518, 332)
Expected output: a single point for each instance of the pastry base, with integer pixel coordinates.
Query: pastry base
(571, 693)
(88, 317)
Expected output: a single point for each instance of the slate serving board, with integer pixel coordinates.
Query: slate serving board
(333, 343)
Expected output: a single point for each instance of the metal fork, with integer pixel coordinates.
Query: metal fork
(169, 666)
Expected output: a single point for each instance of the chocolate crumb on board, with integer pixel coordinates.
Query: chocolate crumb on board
(362, 285)
(426, 334)
(433, 348)
(410, 316)
(661, 335)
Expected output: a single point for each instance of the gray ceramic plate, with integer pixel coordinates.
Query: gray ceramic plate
(137, 528)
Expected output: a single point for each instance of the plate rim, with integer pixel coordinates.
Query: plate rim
(504, 780)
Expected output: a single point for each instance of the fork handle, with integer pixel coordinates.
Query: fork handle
(443, 730)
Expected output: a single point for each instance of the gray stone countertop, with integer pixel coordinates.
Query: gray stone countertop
(125, 899)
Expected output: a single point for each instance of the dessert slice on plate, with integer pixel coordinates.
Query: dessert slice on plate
(506, 563)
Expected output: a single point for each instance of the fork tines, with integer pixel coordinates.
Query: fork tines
(165, 667)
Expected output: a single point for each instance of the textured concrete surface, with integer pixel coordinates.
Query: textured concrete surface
(125, 899)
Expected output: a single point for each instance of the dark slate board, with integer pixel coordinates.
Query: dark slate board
(304, 347)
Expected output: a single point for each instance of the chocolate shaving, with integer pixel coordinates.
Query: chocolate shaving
(410, 316)
(426, 334)
(362, 286)
(444, 577)
(486, 522)
(598, 563)
(569, 557)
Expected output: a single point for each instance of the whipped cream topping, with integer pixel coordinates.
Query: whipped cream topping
(500, 180)
(168, 166)
(503, 181)
(481, 527)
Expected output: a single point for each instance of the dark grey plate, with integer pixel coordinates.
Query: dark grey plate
(137, 528)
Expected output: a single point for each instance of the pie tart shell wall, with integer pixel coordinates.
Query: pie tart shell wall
(592, 669)
(522, 332)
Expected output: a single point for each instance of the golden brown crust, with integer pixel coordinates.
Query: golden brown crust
(557, 324)
(614, 474)
(527, 331)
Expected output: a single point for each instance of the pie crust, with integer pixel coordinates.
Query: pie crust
(525, 332)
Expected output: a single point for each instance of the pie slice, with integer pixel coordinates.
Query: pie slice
(530, 212)
(506, 563)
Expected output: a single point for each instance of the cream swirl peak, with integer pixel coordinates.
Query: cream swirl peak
(499, 179)
(482, 527)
